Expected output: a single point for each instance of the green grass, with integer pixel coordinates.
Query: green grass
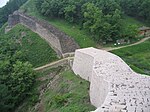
(138, 57)
(67, 92)
(80, 36)
(33, 98)
(127, 20)
(37, 50)
(2, 29)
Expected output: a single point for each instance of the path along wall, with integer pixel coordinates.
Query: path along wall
(114, 86)
(59, 41)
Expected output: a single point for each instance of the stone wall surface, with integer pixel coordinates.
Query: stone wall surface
(13, 20)
(58, 40)
(114, 86)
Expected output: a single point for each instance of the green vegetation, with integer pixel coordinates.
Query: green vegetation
(102, 19)
(82, 37)
(66, 93)
(137, 8)
(20, 48)
(69, 95)
(138, 57)
(89, 23)
(16, 76)
(79, 31)
(86, 21)
(36, 50)
(127, 20)
(9, 8)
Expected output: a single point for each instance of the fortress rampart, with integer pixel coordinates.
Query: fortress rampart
(59, 41)
(114, 86)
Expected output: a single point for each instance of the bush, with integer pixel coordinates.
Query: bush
(60, 100)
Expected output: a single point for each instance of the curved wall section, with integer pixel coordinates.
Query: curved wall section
(58, 40)
(114, 86)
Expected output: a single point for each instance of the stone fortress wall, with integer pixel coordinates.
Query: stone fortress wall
(114, 86)
(59, 41)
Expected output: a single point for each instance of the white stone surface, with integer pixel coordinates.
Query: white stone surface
(114, 87)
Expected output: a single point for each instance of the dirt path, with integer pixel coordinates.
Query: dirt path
(114, 48)
(56, 63)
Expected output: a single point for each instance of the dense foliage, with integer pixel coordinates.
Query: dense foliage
(9, 8)
(16, 75)
(102, 18)
(137, 8)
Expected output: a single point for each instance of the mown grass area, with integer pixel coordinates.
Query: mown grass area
(66, 92)
(36, 50)
(138, 57)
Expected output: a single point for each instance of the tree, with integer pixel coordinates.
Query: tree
(107, 6)
(104, 27)
(116, 25)
(22, 78)
(70, 12)
(92, 17)
(131, 32)
(16, 75)
(145, 10)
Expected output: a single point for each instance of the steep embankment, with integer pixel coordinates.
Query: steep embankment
(36, 50)
(58, 90)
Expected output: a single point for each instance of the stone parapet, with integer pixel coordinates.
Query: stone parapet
(114, 86)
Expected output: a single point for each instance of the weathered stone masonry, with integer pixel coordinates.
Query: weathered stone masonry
(114, 86)
(58, 40)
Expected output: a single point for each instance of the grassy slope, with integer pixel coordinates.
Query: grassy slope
(67, 93)
(138, 57)
(80, 36)
(131, 21)
(37, 50)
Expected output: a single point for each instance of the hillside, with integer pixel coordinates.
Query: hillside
(82, 36)
(36, 50)
(58, 90)
(55, 88)
(56, 97)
